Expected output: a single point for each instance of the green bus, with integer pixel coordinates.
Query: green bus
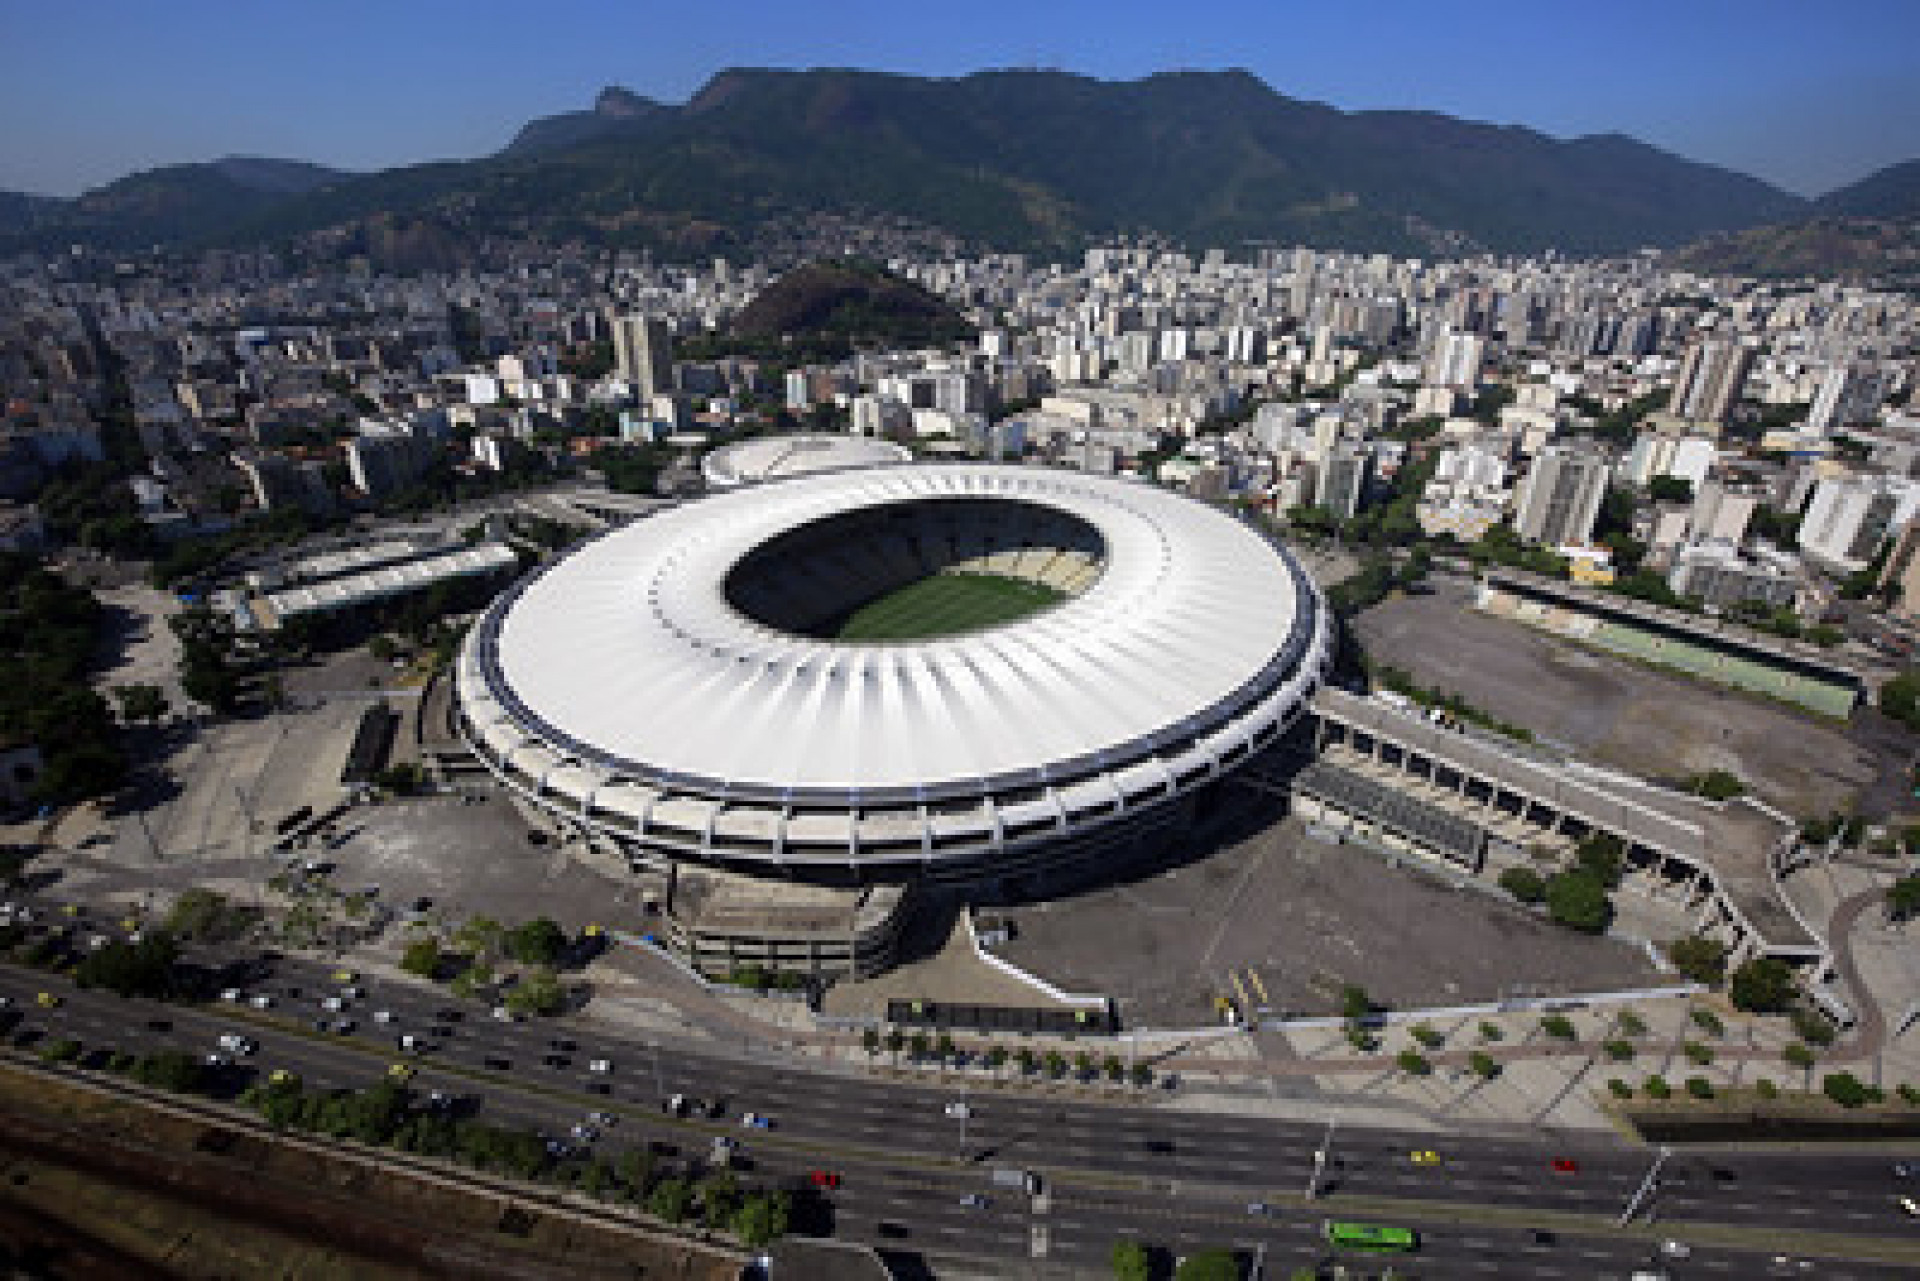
(1369, 1236)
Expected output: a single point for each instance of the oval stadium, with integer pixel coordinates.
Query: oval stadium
(957, 672)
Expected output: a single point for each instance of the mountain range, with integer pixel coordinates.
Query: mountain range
(1031, 160)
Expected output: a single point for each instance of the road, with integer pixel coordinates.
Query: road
(1175, 1178)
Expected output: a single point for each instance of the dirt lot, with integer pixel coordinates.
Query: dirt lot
(1614, 712)
(1304, 917)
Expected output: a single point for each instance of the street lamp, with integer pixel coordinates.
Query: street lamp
(1321, 1155)
(1647, 1185)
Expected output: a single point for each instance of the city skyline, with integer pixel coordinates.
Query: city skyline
(1808, 107)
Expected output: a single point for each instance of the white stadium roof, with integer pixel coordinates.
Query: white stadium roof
(764, 458)
(624, 663)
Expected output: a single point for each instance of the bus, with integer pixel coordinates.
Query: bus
(1369, 1236)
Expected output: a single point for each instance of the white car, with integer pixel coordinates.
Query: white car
(261, 1002)
(332, 1003)
(236, 1044)
(231, 994)
(383, 1016)
(600, 1065)
(959, 1111)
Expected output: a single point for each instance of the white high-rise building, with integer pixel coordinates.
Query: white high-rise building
(1560, 498)
(1456, 360)
(643, 353)
(1849, 396)
(1851, 514)
(1711, 376)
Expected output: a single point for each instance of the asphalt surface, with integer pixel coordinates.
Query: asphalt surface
(1177, 1179)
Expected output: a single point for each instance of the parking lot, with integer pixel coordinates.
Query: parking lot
(1614, 712)
(474, 860)
(1305, 917)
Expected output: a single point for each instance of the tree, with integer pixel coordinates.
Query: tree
(870, 1041)
(205, 916)
(1619, 1051)
(1717, 785)
(762, 1218)
(537, 992)
(1524, 884)
(1131, 1262)
(1763, 985)
(1699, 1087)
(1483, 1065)
(1657, 1088)
(131, 969)
(1797, 1055)
(421, 957)
(1426, 1035)
(1578, 900)
(1903, 897)
(1602, 856)
(670, 1199)
(1670, 489)
(1558, 1026)
(1701, 959)
(1900, 699)
(1845, 1089)
(1354, 1002)
(537, 942)
(1413, 1063)
(1208, 1265)
(140, 704)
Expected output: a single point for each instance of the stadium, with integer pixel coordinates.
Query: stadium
(922, 672)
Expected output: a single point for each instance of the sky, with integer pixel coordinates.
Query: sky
(1807, 95)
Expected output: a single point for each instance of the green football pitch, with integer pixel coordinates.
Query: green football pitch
(945, 605)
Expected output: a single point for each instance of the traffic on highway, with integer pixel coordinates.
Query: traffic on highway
(965, 1169)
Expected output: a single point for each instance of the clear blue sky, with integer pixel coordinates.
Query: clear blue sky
(1808, 94)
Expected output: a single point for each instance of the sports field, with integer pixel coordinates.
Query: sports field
(945, 605)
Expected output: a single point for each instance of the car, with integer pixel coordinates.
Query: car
(823, 1178)
(344, 1027)
(6, 1002)
(1259, 1209)
(562, 1043)
(440, 1030)
(1904, 1169)
(402, 1072)
(600, 1065)
(974, 1201)
(261, 1002)
(332, 1004)
(218, 1060)
(153, 1025)
(345, 976)
(383, 1016)
(599, 1087)
(754, 1121)
(959, 1111)
(676, 1106)
(232, 994)
(1542, 1236)
(1680, 1249)
(353, 993)
(505, 1015)
(1565, 1165)
(497, 1063)
(449, 1015)
(422, 903)
(585, 1133)
(1909, 1205)
(280, 1076)
(556, 1061)
(1424, 1156)
(236, 1044)
(408, 1041)
(606, 1120)
(49, 1001)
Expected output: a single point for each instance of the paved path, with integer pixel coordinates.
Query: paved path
(1869, 1034)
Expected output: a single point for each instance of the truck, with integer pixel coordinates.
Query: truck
(1025, 1180)
(721, 1154)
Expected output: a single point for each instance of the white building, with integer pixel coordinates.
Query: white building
(1852, 513)
(1559, 500)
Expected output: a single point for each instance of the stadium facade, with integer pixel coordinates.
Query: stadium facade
(677, 684)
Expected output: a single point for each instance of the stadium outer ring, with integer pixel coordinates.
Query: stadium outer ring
(558, 687)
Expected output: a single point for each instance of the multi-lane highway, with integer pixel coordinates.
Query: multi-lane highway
(1179, 1179)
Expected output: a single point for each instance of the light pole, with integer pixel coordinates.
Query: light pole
(1646, 1185)
(1320, 1157)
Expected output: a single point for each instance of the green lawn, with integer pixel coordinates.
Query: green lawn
(947, 604)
